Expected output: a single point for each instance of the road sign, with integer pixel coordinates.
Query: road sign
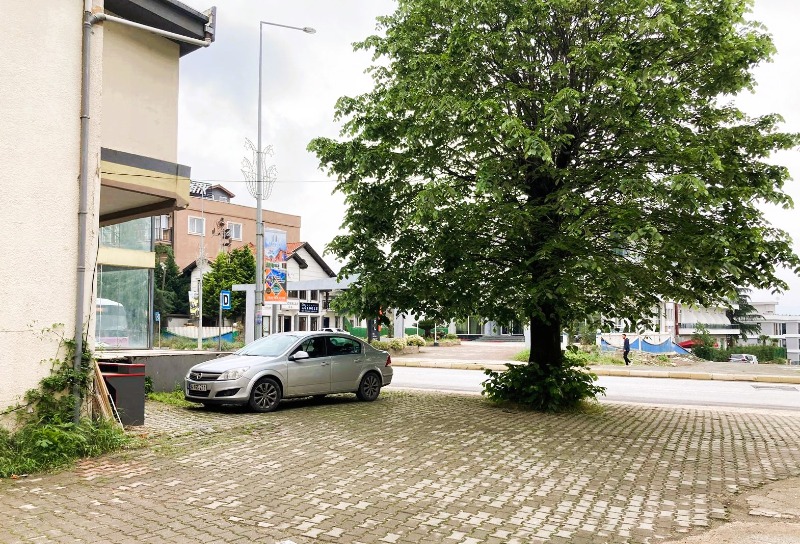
(225, 300)
(157, 316)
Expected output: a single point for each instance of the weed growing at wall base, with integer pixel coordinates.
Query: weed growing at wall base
(45, 436)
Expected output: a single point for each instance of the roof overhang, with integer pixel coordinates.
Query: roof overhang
(321, 284)
(169, 15)
(134, 186)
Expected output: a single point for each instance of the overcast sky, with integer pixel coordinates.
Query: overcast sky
(304, 75)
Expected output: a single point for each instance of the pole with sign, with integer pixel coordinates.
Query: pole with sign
(157, 317)
(224, 304)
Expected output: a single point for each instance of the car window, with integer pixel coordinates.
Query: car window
(338, 345)
(315, 347)
(269, 346)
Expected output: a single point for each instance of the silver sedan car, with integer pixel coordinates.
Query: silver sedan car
(290, 364)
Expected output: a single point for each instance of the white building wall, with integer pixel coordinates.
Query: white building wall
(149, 74)
(39, 167)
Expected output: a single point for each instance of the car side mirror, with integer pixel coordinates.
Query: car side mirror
(298, 356)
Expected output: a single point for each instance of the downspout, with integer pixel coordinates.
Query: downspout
(90, 19)
(83, 203)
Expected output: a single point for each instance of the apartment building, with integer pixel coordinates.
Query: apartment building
(780, 327)
(199, 229)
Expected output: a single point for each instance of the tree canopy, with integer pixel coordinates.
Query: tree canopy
(228, 269)
(170, 286)
(550, 159)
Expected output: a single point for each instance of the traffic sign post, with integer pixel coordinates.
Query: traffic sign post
(224, 304)
(157, 318)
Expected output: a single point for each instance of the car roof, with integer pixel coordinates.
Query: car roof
(302, 334)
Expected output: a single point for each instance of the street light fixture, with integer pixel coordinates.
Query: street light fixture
(259, 190)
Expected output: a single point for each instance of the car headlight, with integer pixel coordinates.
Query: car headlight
(234, 373)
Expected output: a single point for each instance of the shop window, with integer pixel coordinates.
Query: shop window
(136, 234)
(122, 310)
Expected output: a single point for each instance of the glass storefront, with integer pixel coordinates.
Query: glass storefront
(471, 325)
(123, 305)
(136, 234)
(122, 312)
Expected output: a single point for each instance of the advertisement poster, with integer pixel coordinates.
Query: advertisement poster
(275, 246)
(194, 304)
(275, 253)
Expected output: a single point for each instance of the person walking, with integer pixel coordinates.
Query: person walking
(626, 349)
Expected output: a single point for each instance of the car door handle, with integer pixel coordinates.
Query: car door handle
(324, 363)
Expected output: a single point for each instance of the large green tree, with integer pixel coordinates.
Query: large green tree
(228, 269)
(544, 160)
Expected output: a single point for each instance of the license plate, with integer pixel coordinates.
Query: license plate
(198, 387)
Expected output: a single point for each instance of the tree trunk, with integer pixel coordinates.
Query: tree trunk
(546, 339)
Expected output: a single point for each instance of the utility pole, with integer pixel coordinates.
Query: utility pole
(200, 312)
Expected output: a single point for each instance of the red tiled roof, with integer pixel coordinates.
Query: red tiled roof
(291, 247)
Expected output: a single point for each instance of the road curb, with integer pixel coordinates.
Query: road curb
(618, 372)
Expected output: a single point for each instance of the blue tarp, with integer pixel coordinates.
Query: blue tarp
(667, 346)
(226, 337)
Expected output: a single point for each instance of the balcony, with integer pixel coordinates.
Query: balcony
(163, 236)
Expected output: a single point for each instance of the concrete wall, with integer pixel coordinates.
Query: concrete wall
(140, 92)
(168, 371)
(39, 167)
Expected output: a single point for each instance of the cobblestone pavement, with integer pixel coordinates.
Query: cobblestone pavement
(410, 467)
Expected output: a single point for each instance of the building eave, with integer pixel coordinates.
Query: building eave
(169, 15)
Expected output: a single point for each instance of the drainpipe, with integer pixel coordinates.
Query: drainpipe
(90, 19)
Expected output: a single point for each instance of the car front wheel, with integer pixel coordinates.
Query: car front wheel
(369, 388)
(265, 396)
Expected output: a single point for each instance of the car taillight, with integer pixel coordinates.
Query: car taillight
(388, 360)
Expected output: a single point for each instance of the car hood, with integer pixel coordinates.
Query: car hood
(230, 362)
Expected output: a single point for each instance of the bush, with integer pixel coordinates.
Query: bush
(561, 387)
(415, 340)
(450, 336)
(380, 344)
(764, 353)
(397, 344)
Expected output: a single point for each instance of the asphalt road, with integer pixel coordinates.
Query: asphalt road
(627, 389)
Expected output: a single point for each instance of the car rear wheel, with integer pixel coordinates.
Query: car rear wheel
(265, 396)
(370, 387)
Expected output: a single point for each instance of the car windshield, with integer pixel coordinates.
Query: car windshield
(269, 346)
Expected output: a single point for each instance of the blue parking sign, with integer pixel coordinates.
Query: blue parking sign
(225, 300)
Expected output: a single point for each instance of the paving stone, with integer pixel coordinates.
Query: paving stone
(410, 467)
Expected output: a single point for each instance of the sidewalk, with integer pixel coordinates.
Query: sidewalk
(423, 467)
(485, 355)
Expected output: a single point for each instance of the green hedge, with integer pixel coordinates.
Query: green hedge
(764, 353)
(440, 331)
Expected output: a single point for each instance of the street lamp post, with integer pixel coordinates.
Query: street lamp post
(259, 185)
